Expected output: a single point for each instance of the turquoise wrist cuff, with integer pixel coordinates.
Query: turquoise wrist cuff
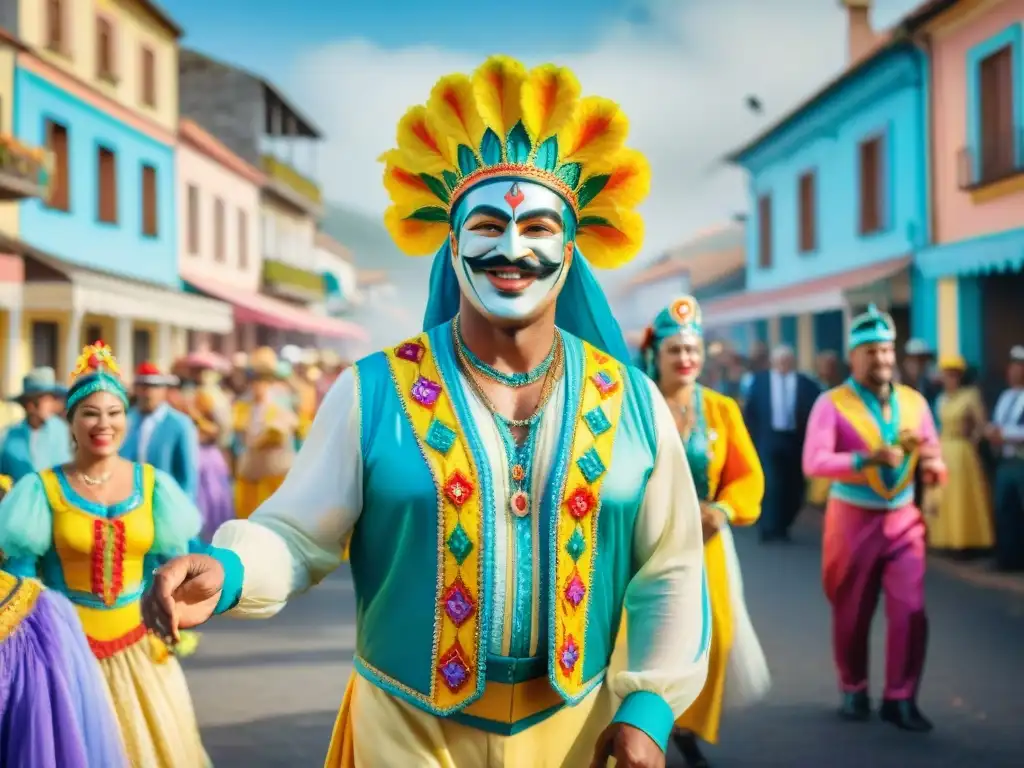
(647, 712)
(858, 462)
(234, 576)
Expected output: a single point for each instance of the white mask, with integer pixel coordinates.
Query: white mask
(511, 256)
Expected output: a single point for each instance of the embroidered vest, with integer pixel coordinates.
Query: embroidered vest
(422, 554)
(880, 487)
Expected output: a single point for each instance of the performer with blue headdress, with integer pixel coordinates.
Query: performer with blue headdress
(94, 529)
(868, 435)
(730, 487)
(472, 462)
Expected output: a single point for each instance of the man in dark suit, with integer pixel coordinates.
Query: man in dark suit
(776, 412)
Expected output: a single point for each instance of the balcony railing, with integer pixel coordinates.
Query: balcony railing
(995, 160)
(282, 173)
(291, 281)
(24, 170)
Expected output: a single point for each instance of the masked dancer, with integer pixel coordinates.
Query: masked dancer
(473, 462)
(95, 529)
(730, 486)
(869, 435)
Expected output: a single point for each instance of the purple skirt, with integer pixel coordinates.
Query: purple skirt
(216, 499)
(55, 710)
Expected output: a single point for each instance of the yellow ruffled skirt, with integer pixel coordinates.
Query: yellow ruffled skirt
(960, 518)
(154, 707)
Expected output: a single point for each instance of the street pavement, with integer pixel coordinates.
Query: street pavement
(266, 693)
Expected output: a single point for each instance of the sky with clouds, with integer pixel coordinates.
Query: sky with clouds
(681, 70)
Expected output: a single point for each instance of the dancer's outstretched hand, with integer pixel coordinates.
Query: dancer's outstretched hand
(184, 594)
(631, 748)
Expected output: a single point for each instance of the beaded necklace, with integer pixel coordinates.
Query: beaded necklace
(511, 380)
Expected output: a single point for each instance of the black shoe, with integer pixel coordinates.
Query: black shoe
(904, 714)
(855, 707)
(686, 743)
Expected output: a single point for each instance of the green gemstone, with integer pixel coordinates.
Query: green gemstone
(576, 545)
(459, 544)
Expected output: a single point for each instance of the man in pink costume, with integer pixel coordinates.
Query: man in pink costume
(868, 436)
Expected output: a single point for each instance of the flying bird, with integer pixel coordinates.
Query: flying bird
(754, 104)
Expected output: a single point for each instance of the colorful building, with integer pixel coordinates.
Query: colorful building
(97, 85)
(254, 120)
(974, 271)
(838, 200)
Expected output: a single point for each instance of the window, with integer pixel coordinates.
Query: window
(243, 240)
(107, 186)
(105, 50)
(149, 212)
(871, 180)
(808, 208)
(764, 223)
(45, 339)
(55, 31)
(148, 79)
(218, 230)
(193, 220)
(60, 183)
(996, 124)
(92, 334)
(142, 345)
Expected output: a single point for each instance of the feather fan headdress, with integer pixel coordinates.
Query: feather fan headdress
(507, 122)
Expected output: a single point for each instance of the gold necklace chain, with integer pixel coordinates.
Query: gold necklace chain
(547, 389)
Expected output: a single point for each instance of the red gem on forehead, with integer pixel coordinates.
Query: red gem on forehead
(514, 197)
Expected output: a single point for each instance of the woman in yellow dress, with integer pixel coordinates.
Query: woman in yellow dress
(264, 425)
(94, 529)
(730, 484)
(960, 513)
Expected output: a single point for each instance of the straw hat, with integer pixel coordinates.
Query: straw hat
(264, 364)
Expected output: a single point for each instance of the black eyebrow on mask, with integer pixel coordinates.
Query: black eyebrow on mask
(541, 213)
(489, 210)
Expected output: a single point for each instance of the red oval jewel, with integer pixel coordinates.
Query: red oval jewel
(519, 504)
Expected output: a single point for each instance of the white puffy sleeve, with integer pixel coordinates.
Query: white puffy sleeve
(668, 615)
(296, 537)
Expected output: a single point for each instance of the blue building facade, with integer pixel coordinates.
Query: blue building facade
(838, 206)
(78, 235)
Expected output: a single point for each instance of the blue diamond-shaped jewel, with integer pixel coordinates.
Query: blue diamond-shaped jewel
(576, 545)
(440, 437)
(590, 465)
(459, 544)
(597, 421)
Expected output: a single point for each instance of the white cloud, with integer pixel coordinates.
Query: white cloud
(682, 76)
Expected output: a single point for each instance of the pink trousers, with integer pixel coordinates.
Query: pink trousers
(868, 552)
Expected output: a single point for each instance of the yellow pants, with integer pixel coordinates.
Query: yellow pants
(250, 494)
(377, 730)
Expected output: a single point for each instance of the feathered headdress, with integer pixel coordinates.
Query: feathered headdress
(95, 371)
(507, 122)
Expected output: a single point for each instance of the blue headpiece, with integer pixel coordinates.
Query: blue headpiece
(681, 317)
(96, 371)
(871, 327)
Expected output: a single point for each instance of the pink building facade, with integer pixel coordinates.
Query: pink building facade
(976, 263)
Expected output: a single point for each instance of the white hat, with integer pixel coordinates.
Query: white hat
(917, 347)
(1017, 354)
(291, 354)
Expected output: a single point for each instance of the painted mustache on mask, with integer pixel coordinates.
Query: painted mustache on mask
(533, 264)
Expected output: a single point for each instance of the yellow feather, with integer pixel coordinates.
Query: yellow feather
(406, 189)
(422, 148)
(629, 180)
(598, 129)
(414, 238)
(497, 86)
(615, 241)
(453, 111)
(549, 98)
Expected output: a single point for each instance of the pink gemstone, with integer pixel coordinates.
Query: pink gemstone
(411, 351)
(568, 655)
(575, 590)
(519, 503)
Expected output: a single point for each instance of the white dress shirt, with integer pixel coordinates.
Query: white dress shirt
(1007, 416)
(783, 392)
